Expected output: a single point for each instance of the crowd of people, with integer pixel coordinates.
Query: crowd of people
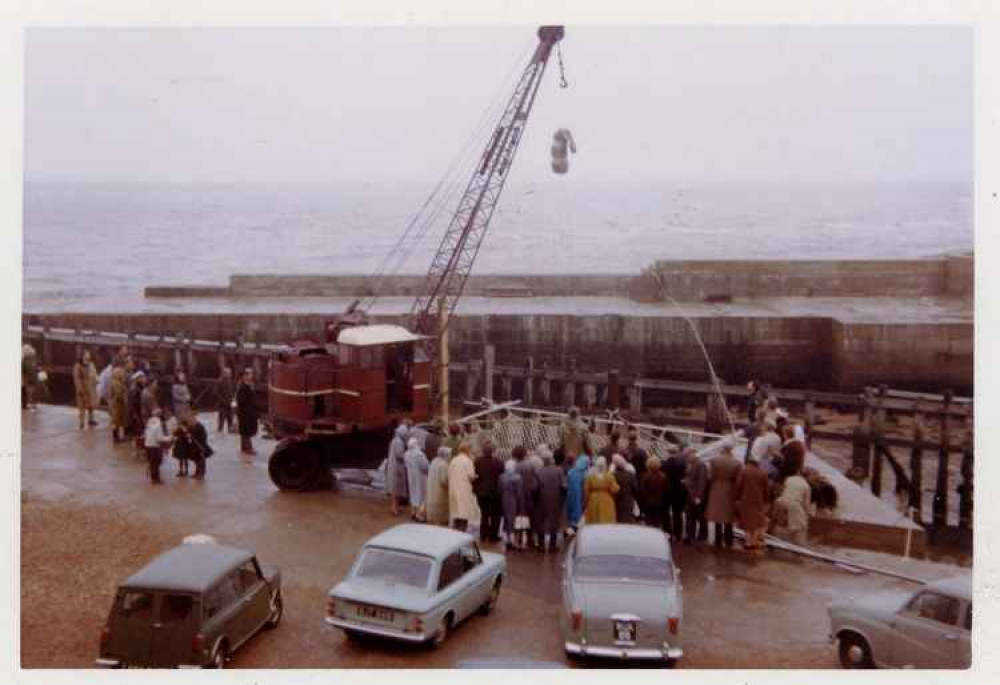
(152, 411)
(539, 497)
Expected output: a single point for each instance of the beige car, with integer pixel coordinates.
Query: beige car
(927, 628)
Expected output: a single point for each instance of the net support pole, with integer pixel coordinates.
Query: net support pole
(443, 358)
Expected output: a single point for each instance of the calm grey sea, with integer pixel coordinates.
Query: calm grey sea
(90, 242)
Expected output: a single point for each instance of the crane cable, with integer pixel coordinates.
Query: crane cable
(396, 256)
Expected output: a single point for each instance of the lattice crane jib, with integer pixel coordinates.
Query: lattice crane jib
(450, 268)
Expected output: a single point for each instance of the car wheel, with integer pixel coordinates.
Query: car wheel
(353, 635)
(277, 609)
(854, 652)
(442, 631)
(219, 656)
(492, 600)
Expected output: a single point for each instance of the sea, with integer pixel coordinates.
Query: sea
(91, 243)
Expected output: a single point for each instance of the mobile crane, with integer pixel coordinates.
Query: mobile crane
(334, 402)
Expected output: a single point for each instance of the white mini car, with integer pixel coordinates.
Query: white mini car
(928, 628)
(415, 583)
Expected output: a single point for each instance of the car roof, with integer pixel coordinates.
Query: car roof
(618, 538)
(957, 586)
(188, 568)
(420, 538)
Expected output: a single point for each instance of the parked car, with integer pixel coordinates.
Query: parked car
(416, 583)
(927, 628)
(190, 607)
(622, 596)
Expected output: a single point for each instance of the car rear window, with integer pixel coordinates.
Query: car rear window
(137, 604)
(176, 608)
(392, 566)
(623, 567)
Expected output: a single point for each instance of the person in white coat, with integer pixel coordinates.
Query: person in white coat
(416, 478)
(795, 500)
(395, 470)
(461, 498)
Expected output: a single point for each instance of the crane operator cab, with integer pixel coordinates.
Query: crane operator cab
(364, 377)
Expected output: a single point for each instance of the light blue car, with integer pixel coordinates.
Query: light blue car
(415, 582)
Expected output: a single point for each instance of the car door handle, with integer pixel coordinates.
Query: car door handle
(950, 636)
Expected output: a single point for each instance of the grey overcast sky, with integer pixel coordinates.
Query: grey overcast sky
(645, 104)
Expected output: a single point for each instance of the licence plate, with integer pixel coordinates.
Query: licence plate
(624, 631)
(377, 613)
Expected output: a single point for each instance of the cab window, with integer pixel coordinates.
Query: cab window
(934, 607)
(451, 570)
(176, 608)
(137, 605)
(367, 359)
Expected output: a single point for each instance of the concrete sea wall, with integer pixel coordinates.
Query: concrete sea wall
(682, 280)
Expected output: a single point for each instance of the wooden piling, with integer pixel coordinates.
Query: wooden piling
(940, 507)
(589, 395)
(635, 400)
(545, 386)
(810, 418)
(506, 387)
(472, 380)
(528, 394)
(878, 442)
(917, 465)
(489, 357)
(613, 401)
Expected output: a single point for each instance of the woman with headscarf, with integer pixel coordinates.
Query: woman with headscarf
(436, 501)
(575, 491)
(462, 506)
(416, 478)
(628, 487)
(529, 483)
(511, 501)
(395, 470)
(181, 394)
(551, 486)
(600, 489)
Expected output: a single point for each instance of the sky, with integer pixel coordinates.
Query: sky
(645, 104)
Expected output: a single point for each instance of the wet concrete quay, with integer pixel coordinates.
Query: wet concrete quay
(90, 518)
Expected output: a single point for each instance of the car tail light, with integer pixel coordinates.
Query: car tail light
(331, 607)
(673, 624)
(577, 619)
(198, 643)
(416, 625)
(105, 638)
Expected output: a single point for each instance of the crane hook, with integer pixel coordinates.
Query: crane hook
(563, 83)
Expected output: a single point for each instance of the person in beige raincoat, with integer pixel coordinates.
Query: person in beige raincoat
(462, 506)
(85, 387)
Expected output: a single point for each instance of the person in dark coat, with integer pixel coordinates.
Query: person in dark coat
(635, 454)
(200, 449)
(487, 489)
(611, 449)
(628, 488)
(511, 501)
(246, 413)
(529, 484)
(696, 481)
(224, 399)
(551, 492)
(676, 495)
(653, 489)
(751, 503)
(183, 448)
